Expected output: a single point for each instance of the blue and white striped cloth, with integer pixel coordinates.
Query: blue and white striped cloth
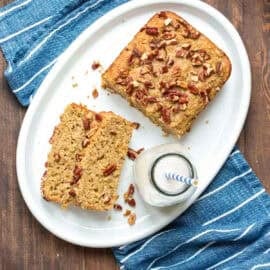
(229, 225)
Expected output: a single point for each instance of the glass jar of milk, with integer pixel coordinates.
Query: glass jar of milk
(164, 175)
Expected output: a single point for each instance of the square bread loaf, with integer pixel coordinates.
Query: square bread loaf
(169, 71)
(87, 153)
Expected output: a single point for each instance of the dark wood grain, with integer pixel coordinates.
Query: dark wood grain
(25, 244)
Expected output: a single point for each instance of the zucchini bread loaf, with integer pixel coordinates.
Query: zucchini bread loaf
(86, 157)
(169, 71)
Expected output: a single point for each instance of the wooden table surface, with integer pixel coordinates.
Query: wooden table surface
(25, 244)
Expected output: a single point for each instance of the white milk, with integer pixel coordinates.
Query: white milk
(157, 172)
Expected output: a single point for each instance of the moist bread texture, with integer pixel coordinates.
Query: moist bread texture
(86, 157)
(169, 71)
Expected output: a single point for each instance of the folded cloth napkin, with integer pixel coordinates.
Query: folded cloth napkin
(228, 227)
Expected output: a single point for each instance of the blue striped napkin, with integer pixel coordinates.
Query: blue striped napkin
(228, 227)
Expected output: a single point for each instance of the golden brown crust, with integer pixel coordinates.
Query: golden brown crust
(169, 71)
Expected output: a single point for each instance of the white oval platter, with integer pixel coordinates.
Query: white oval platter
(209, 143)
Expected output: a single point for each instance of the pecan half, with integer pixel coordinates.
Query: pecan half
(152, 31)
(109, 169)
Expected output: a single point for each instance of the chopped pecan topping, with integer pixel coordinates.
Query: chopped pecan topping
(168, 21)
(193, 89)
(166, 115)
(86, 123)
(170, 61)
(85, 142)
(144, 56)
(194, 78)
(109, 169)
(127, 213)
(186, 46)
(218, 67)
(208, 70)
(181, 53)
(168, 35)
(117, 207)
(72, 193)
(186, 33)
(131, 202)
(132, 219)
(152, 31)
(140, 94)
(183, 100)
(161, 55)
(95, 65)
(162, 14)
(150, 99)
(164, 69)
(194, 34)
(95, 93)
(136, 125)
(148, 84)
(98, 117)
(56, 157)
(176, 70)
(135, 53)
(172, 42)
(201, 75)
(78, 157)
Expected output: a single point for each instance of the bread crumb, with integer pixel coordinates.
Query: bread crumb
(74, 85)
(207, 121)
(109, 218)
(132, 219)
(127, 213)
(95, 93)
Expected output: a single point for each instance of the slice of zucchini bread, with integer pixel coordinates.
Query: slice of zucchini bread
(87, 154)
